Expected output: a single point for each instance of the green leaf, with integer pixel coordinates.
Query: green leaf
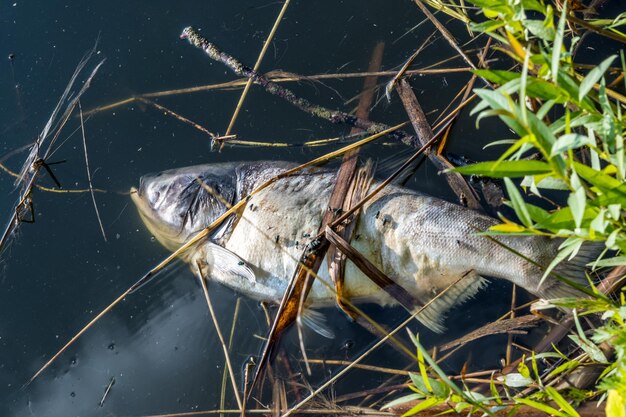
(540, 406)
(539, 29)
(494, 391)
(558, 398)
(594, 76)
(511, 169)
(487, 26)
(563, 367)
(558, 44)
(516, 380)
(543, 134)
(545, 182)
(497, 100)
(615, 405)
(518, 203)
(537, 213)
(533, 5)
(563, 253)
(577, 201)
(615, 261)
(427, 403)
(568, 84)
(497, 76)
(486, 3)
(402, 400)
(423, 371)
(596, 178)
(599, 224)
(563, 219)
(569, 141)
(523, 369)
(588, 347)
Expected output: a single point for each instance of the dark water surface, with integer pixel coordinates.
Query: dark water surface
(159, 345)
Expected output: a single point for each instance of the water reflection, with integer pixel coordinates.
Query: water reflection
(159, 344)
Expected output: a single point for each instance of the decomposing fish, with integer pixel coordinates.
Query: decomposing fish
(422, 243)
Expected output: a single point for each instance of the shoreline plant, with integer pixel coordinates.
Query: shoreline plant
(567, 126)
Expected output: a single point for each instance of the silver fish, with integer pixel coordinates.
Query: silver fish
(423, 243)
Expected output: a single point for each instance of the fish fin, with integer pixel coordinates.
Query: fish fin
(316, 321)
(574, 270)
(433, 315)
(227, 262)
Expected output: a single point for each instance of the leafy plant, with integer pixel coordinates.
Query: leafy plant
(569, 128)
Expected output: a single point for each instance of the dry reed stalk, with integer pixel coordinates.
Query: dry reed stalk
(333, 116)
(230, 345)
(372, 368)
(514, 324)
(54, 190)
(257, 64)
(344, 180)
(355, 362)
(482, 63)
(204, 233)
(93, 196)
(509, 341)
(444, 32)
(466, 194)
(297, 283)
(218, 330)
(42, 148)
(392, 83)
(347, 183)
(279, 78)
(322, 411)
(198, 237)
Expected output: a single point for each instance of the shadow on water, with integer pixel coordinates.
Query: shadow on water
(159, 344)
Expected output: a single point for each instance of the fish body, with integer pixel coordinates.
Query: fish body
(423, 243)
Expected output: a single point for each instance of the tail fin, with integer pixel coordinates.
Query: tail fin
(574, 271)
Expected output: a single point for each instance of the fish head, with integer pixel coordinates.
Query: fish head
(176, 204)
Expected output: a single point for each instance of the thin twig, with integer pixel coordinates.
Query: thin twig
(205, 232)
(220, 336)
(347, 411)
(446, 34)
(230, 345)
(333, 116)
(257, 64)
(77, 335)
(277, 77)
(509, 341)
(56, 190)
(391, 84)
(93, 196)
(379, 343)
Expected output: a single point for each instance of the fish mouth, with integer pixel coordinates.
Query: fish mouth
(160, 230)
(142, 205)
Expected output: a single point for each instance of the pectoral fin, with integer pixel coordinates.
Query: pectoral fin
(223, 261)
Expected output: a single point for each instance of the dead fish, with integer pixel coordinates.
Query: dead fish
(422, 243)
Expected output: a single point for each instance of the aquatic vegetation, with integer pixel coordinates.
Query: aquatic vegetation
(569, 127)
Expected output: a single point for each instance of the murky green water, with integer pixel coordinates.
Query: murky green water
(159, 346)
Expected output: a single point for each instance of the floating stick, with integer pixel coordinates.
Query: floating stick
(334, 116)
